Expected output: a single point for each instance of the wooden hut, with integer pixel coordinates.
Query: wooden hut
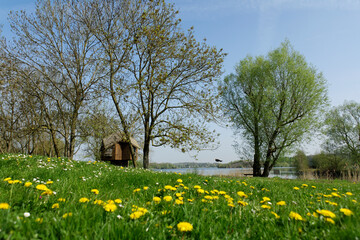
(115, 149)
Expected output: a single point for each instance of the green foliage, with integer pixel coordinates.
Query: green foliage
(329, 164)
(301, 161)
(274, 102)
(213, 211)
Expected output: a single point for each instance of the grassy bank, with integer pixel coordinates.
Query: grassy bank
(57, 198)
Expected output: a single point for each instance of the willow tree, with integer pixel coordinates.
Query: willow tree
(275, 101)
(173, 81)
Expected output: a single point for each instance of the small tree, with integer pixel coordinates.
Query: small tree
(274, 101)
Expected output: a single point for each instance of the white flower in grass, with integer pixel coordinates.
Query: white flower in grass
(26, 214)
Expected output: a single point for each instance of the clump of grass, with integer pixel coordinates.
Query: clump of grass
(52, 198)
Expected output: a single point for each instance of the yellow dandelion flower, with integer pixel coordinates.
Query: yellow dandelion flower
(349, 193)
(7, 179)
(296, 188)
(136, 215)
(41, 187)
(47, 192)
(184, 227)
(145, 188)
(276, 216)
(200, 191)
(197, 187)
(281, 203)
(179, 180)
(61, 200)
(335, 194)
(313, 187)
(304, 185)
(4, 206)
(326, 213)
(98, 202)
(179, 202)
(296, 216)
(39, 220)
(49, 182)
(168, 187)
(167, 198)
(346, 211)
(329, 220)
(95, 191)
(110, 207)
(242, 203)
(136, 190)
(55, 205)
(242, 194)
(265, 206)
(156, 200)
(27, 184)
(118, 201)
(67, 215)
(84, 200)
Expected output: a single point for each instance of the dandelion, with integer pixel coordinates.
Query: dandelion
(242, 194)
(110, 207)
(84, 200)
(265, 199)
(242, 203)
(335, 194)
(329, 220)
(265, 206)
(200, 191)
(197, 187)
(47, 192)
(296, 188)
(296, 216)
(313, 187)
(168, 187)
(98, 202)
(41, 187)
(281, 203)
(4, 206)
(95, 191)
(7, 179)
(136, 215)
(39, 220)
(61, 200)
(156, 200)
(276, 216)
(167, 198)
(118, 201)
(55, 205)
(184, 227)
(67, 215)
(179, 202)
(27, 184)
(26, 214)
(304, 185)
(349, 193)
(326, 213)
(179, 181)
(346, 211)
(49, 182)
(145, 188)
(137, 190)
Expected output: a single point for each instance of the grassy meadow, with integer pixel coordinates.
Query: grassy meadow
(56, 198)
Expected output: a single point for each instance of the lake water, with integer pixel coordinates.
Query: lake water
(282, 172)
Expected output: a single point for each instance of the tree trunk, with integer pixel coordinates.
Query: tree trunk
(146, 150)
(257, 164)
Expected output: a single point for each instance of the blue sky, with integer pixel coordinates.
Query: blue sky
(326, 32)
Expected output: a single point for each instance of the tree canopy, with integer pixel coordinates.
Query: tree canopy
(274, 101)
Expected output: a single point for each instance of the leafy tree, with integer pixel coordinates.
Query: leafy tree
(301, 161)
(343, 131)
(274, 101)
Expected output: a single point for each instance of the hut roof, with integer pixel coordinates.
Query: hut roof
(109, 141)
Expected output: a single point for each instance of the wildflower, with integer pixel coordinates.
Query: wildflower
(200, 191)
(242, 203)
(156, 200)
(335, 194)
(118, 201)
(7, 179)
(143, 210)
(110, 207)
(61, 200)
(304, 185)
(168, 187)
(313, 187)
(47, 192)
(67, 215)
(326, 213)
(184, 227)
(296, 188)
(274, 213)
(346, 211)
(26, 214)
(41, 187)
(55, 205)
(39, 220)
(4, 206)
(295, 216)
(179, 180)
(136, 215)
(242, 194)
(165, 212)
(167, 198)
(265, 206)
(27, 184)
(281, 203)
(208, 197)
(136, 190)
(265, 199)
(329, 220)
(95, 191)
(49, 182)
(230, 204)
(84, 200)
(145, 188)
(349, 193)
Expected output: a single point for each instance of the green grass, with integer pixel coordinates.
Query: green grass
(220, 216)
